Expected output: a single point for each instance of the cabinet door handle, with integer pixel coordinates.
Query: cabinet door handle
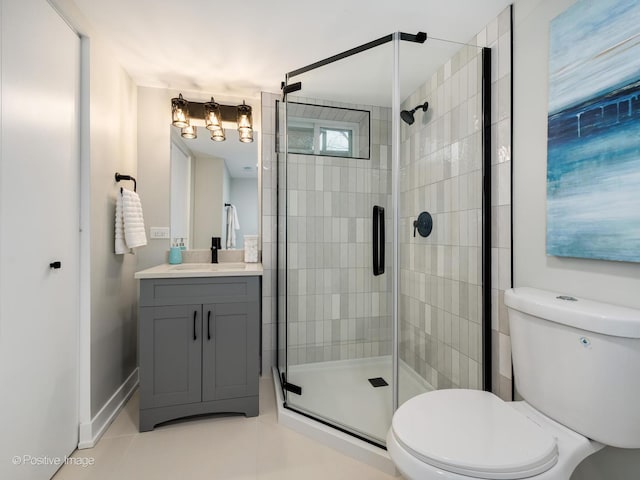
(209, 325)
(195, 314)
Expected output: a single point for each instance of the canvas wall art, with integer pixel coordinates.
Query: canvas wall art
(593, 149)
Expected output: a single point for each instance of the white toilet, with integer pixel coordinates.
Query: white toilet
(576, 364)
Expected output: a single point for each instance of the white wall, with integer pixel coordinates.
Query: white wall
(113, 288)
(614, 282)
(244, 195)
(154, 168)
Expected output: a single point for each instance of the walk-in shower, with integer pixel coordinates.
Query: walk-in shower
(369, 312)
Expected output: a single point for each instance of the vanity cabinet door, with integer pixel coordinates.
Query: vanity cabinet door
(170, 355)
(230, 353)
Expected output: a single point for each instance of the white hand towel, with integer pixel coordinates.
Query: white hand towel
(232, 225)
(134, 233)
(120, 244)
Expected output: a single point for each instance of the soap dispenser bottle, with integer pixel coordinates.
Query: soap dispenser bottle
(175, 254)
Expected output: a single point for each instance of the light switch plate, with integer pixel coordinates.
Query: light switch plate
(159, 232)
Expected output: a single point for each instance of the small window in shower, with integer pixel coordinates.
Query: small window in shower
(336, 141)
(301, 139)
(328, 131)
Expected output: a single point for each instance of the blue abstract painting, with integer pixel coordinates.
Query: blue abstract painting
(593, 150)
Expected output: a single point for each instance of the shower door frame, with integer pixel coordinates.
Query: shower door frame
(281, 155)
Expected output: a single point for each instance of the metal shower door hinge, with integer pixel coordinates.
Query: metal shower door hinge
(290, 387)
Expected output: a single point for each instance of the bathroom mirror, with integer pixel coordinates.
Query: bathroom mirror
(205, 177)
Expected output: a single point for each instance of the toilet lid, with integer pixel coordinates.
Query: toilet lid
(473, 433)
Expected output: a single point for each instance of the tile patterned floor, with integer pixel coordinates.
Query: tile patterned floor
(214, 448)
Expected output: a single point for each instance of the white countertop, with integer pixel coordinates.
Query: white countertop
(184, 270)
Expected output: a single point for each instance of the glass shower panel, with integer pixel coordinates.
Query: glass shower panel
(338, 289)
(281, 241)
(440, 314)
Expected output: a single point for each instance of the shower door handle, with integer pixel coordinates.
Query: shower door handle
(378, 240)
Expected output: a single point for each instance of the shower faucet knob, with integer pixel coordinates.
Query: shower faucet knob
(423, 224)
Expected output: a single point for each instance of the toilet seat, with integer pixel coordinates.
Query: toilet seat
(473, 433)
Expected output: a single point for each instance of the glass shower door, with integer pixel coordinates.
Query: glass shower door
(372, 309)
(339, 241)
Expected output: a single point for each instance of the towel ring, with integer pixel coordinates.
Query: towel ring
(126, 177)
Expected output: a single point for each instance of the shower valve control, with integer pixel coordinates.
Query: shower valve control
(423, 224)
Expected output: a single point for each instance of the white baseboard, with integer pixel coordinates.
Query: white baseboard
(90, 432)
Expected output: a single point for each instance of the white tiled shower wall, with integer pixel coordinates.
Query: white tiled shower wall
(440, 311)
(441, 172)
(336, 309)
(497, 36)
(269, 231)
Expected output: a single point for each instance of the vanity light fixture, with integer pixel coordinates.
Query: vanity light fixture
(217, 135)
(213, 114)
(179, 112)
(189, 131)
(245, 127)
(245, 136)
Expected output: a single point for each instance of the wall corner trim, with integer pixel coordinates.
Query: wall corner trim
(90, 432)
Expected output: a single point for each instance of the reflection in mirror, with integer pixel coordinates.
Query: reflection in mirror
(206, 175)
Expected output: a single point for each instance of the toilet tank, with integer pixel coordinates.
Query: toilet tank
(578, 362)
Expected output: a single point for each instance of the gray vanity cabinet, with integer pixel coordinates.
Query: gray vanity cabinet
(170, 355)
(229, 337)
(199, 347)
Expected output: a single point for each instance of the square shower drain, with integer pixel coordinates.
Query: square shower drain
(378, 382)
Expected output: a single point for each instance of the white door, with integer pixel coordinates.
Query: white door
(39, 225)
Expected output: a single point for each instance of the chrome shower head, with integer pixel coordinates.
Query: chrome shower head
(407, 115)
